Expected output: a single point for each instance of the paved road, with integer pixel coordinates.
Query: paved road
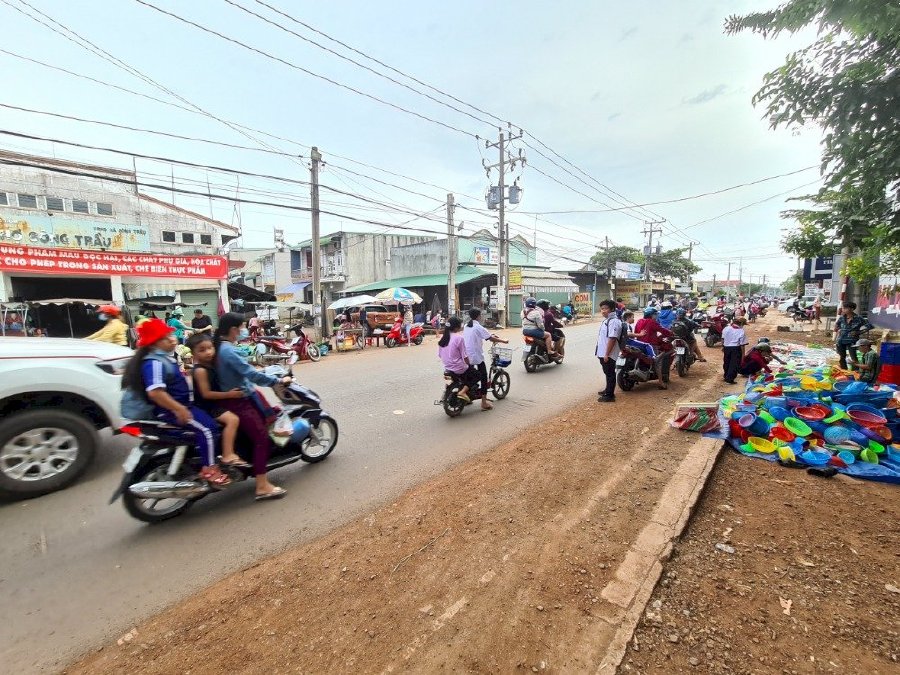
(74, 571)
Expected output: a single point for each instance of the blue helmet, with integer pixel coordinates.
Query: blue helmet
(530, 302)
(650, 311)
(301, 430)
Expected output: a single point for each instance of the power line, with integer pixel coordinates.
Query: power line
(301, 69)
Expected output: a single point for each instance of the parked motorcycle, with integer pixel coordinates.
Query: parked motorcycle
(271, 350)
(684, 356)
(302, 347)
(397, 336)
(714, 327)
(803, 314)
(634, 366)
(498, 378)
(162, 480)
(535, 355)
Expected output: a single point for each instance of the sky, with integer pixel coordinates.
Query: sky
(650, 100)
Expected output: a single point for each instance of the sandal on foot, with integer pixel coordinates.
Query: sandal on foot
(277, 493)
(234, 463)
(215, 477)
(464, 397)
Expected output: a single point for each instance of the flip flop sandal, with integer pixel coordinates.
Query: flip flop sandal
(235, 463)
(216, 479)
(277, 493)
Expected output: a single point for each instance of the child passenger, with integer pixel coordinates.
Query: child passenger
(206, 395)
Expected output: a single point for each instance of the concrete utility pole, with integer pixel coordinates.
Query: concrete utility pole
(690, 255)
(315, 157)
(452, 253)
(650, 231)
(503, 234)
(728, 281)
(610, 279)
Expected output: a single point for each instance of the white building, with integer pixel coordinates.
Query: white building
(72, 230)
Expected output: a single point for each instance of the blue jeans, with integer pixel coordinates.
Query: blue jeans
(535, 333)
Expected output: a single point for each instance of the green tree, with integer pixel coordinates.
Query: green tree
(671, 263)
(794, 283)
(847, 82)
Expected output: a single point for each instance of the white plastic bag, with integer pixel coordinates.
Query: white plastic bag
(281, 430)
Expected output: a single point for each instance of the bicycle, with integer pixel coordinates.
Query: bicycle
(501, 358)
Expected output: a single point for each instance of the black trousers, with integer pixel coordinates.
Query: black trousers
(609, 370)
(483, 376)
(731, 361)
(842, 351)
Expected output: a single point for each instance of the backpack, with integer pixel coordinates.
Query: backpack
(622, 337)
(135, 405)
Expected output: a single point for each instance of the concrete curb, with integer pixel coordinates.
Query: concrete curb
(639, 573)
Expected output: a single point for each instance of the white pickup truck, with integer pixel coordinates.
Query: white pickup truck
(55, 395)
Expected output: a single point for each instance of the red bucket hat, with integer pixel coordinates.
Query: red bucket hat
(152, 330)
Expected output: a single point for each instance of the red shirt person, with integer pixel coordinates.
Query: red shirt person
(650, 331)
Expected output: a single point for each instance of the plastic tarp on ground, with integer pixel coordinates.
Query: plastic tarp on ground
(810, 414)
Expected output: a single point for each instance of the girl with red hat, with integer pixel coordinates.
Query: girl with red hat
(154, 370)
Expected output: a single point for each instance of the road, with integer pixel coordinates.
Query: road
(75, 571)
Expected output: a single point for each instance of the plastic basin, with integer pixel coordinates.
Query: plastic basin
(797, 426)
(876, 447)
(866, 419)
(809, 412)
(815, 458)
(765, 416)
(780, 433)
(854, 387)
(836, 435)
(868, 456)
(761, 444)
(847, 456)
(864, 407)
(779, 413)
(754, 424)
(785, 454)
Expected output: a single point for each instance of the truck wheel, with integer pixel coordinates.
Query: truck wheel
(43, 451)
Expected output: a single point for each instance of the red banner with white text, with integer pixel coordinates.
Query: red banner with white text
(63, 262)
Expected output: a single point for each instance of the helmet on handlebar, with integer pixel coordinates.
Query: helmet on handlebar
(530, 302)
(543, 304)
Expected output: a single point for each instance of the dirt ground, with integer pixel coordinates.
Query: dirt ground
(494, 566)
(498, 566)
(828, 547)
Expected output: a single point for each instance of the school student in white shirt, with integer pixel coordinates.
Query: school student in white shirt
(607, 349)
(734, 339)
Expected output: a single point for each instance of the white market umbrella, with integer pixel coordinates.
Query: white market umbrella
(352, 302)
(397, 294)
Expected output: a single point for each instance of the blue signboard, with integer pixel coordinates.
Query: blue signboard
(815, 269)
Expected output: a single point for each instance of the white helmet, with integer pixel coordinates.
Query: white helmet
(667, 305)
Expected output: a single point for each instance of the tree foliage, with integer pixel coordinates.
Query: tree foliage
(794, 283)
(671, 263)
(847, 82)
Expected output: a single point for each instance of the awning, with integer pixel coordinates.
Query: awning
(238, 291)
(464, 274)
(537, 281)
(70, 301)
(293, 289)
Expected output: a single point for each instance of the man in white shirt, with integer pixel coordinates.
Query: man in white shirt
(474, 335)
(733, 341)
(608, 348)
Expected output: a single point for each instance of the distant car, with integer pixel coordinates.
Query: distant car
(55, 395)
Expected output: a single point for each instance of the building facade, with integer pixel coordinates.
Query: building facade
(73, 230)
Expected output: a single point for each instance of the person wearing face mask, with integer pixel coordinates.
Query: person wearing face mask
(234, 372)
(114, 329)
(154, 370)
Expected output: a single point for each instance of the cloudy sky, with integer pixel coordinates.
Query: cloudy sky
(650, 101)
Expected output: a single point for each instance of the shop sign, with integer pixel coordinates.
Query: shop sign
(884, 303)
(67, 262)
(515, 278)
(624, 270)
(485, 255)
(61, 232)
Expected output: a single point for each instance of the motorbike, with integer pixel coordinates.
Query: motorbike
(498, 379)
(271, 350)
(302, 347)
(803, 314)
(634, 366)
(161, 479)
(698, 316)
(714, 327)
(684, 356)
(535, 355)
(396, 336)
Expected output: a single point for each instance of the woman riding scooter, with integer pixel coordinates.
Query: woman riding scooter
(533, 325)
(649, 330)
(553, 326)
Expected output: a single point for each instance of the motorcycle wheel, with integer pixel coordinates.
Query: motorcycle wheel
(154, 510)
(322, 439)
(681, 366)
(418, 340)
(390, 343)
(710, 340)
(453, 405)
(500, 385)
(625, 383)
(531, 364)
(312, 352)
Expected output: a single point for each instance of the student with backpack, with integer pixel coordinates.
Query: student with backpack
(153, 374)
(608, 347)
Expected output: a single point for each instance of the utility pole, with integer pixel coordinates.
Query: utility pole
(728, 281)
(316, 157)
(690, 255)
(503, 233)
(452, 252)
(610, 279)
(650, 231)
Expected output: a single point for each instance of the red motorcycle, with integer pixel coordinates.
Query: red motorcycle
(714, 327)
(397, 336)
(302, 347)
(273, 349)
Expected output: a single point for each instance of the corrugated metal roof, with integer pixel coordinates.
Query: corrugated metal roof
(463, 274)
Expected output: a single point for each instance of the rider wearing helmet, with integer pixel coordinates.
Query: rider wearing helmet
(553, 326)
(649, 331)
(666, 316)
(684, 328)
(533, 324)
(114, 331)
